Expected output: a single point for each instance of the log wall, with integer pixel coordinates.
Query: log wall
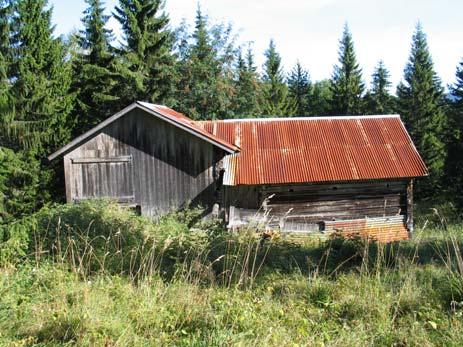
(380, 207)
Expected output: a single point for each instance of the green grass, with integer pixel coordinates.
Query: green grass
(96, 275)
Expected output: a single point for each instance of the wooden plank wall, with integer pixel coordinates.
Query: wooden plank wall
(338, 201)
(161, 174)
(316, 207)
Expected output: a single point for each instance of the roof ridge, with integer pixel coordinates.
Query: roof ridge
(275, 119)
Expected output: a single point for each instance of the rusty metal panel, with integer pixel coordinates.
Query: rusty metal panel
(180, 118)
(322, 149)
(385, 229)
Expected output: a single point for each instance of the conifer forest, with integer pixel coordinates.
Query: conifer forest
(95, 274)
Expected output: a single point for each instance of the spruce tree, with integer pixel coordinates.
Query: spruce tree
(19, 170)
(420, 100)
(95, 70)
(20, 185)
(6, 102)
(378, 99)
(276, 100)
(346, 83)
(454, 166)
(246, 100)
(40, 76)
(5, 27)
(147, 53)
(320, 98)
(205, 89)
(300, 89)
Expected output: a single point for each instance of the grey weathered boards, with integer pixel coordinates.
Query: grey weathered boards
(143, 161)
(351, 175)
(307, 207)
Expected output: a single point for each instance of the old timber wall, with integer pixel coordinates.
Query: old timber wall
(378, 209)
(143, 161)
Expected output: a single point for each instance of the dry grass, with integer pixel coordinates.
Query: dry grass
(96, 275)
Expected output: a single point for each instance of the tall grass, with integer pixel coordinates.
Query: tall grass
(107, 239)
(96, 274)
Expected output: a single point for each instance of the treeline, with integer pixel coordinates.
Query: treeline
(52, 89)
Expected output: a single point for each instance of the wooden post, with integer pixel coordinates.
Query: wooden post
(410, 207)
(231, 217)
(68, 178)
(215, 211)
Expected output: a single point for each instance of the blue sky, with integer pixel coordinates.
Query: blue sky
(309, 30)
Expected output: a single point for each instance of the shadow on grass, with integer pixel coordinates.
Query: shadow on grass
(340, 255)
(101, 237)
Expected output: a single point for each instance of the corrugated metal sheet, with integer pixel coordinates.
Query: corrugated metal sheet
(385, 229)
(180, 118)
(318, 149)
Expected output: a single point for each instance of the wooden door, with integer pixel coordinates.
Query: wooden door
(104, 177)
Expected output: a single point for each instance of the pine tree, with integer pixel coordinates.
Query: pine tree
(205, 88)
(378, 100)
(147, 53)
(454, 166)
(246, 100)
(300, 89)
(346, 83)
(276, 100)
(40, 78)
(420, 100)
(95, 70)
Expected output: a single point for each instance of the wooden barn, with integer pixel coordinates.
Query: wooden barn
(351, 174)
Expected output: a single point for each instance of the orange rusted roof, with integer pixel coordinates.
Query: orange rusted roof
(180, 118)
(321, 149)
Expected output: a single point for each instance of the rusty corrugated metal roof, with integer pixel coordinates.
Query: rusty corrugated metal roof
(290, 150)
(180, 118)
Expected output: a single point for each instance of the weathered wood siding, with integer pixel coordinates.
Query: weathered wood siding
(323, 202)
(144, 161)
(323, 207)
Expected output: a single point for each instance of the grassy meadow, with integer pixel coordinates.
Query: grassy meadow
(94, 274)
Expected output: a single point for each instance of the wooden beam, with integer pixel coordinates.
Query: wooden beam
(410, 206)
(120, 199)
(120, 159)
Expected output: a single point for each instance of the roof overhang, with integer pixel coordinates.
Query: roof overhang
(196, 131)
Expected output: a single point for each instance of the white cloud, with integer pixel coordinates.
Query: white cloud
(309, 30)
(115, 26)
